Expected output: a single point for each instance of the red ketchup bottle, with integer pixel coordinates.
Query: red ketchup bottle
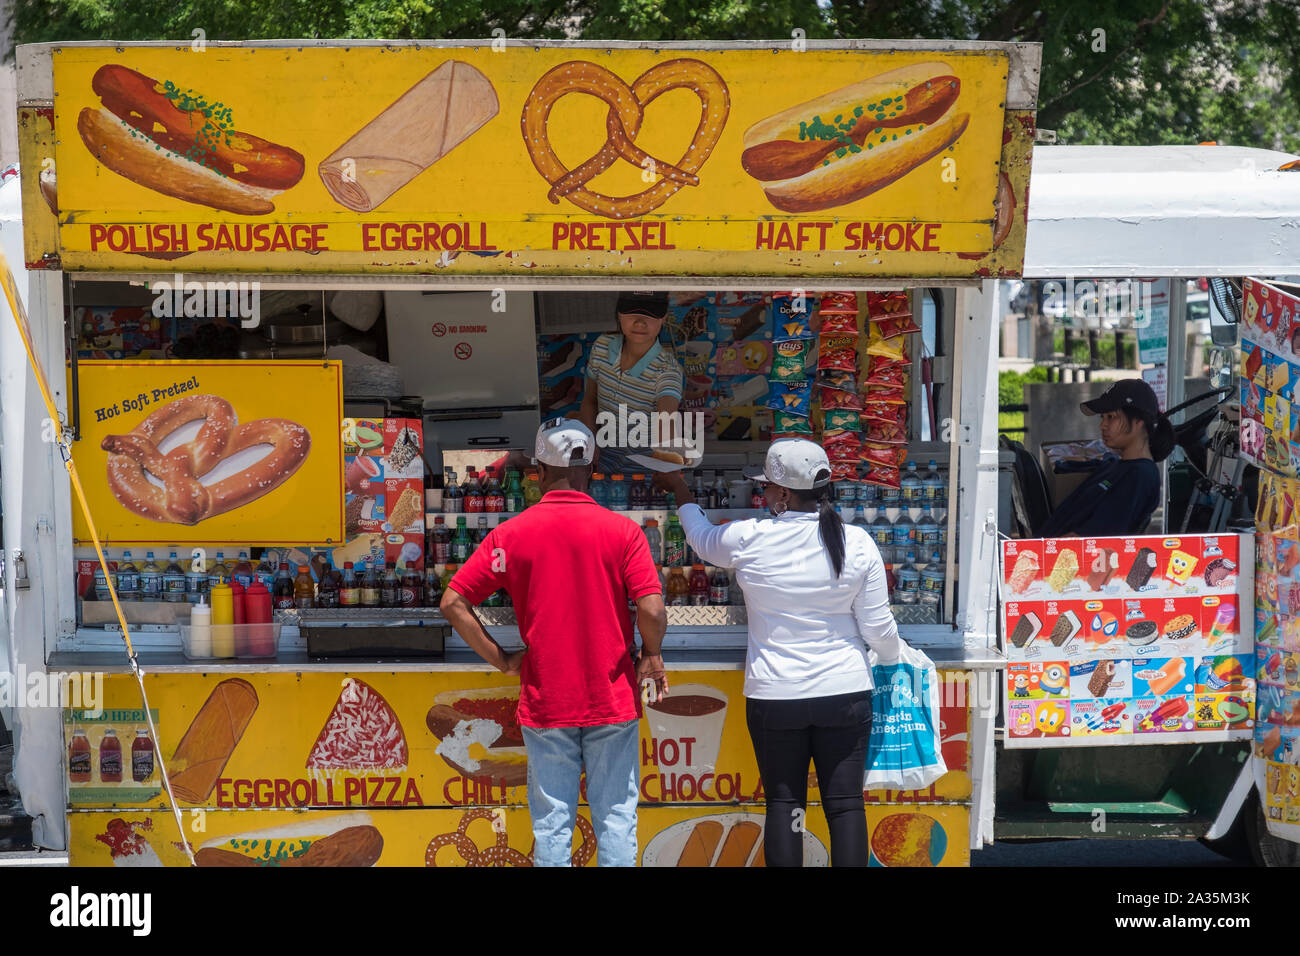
(257, 617)
(237, 600)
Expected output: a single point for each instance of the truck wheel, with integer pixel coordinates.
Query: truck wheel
(1266, 849)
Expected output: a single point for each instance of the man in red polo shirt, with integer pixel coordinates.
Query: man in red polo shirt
(570, 567)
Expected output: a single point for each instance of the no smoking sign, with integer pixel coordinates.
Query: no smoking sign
(463, 350)
(439, 330)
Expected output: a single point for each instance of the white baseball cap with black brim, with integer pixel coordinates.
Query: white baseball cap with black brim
(559, 438)
(795, 464)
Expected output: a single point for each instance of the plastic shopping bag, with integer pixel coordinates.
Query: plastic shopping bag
(904, 751)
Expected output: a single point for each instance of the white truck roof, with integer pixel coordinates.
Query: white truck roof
(1114, 211)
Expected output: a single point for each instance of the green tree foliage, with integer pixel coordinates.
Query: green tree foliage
(1114, 71)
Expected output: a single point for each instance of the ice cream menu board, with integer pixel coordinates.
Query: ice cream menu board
(1270, 368)
(1133, 640)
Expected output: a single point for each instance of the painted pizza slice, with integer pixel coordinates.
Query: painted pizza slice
(361, 733)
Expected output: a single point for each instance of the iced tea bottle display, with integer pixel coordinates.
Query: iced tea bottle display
(141, 757)
(80, 758)
(110, 757)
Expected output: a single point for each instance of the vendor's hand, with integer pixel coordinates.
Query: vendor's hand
(514, 663)
(650, 667)
(674, 483)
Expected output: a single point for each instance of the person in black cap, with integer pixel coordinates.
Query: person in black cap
(631, 370)
(1120, 496)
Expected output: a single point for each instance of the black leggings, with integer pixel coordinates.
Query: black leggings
(832, 732)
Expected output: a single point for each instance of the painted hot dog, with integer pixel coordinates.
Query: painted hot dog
(182, 145)
(847, 144)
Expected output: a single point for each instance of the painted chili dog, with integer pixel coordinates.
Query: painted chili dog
(183, 145)
(847, 144)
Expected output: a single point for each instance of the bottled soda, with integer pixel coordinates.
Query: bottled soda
(432, 586)
(483, 531)
(128, 579)
(390, 587)
(370, 586)
(453, 497)
(719, 588)
(473, 493)
(494, 497)
(173, 581)
(439, 548)
(699, 586)
(349, 590)
(461, 543)
(674, 543)
(700, 492)
(304, 589)
(412, 587)
(514, 492)
(678, 589)
(718, 495)
(327, 593)
(282, 596)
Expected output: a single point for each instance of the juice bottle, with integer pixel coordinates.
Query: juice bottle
(173, 581)
(110, 757)
(674, 543)
(638, 495)
(448, 573)
(349, 595)
(678, 589)
(282, 592)
(79, 757)
(141, 757)
(532, 488)
(150, 579)
(699, 586)
(128, 579)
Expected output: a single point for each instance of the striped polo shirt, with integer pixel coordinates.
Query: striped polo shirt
(657, 375)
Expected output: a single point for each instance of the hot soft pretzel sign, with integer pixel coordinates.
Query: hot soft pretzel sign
(211, 452)
(560, 159)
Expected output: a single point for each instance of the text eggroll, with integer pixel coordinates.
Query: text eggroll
(426, 123)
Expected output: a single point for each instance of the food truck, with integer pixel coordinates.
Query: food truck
(284, 339)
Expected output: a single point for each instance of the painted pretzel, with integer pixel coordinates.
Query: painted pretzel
(623, 122)
(500, 852)
(182, 498)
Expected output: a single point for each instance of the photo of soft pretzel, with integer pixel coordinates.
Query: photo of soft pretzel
(500, 853)
(623, 122)
(182, 498)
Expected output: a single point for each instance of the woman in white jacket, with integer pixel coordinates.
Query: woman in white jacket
(816, 598)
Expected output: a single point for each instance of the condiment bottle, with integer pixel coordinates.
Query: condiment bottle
(201, 629)
(141, 757)
(304, 589)
(223, 619)
(110, 757)
(237, 594)
(260, 636)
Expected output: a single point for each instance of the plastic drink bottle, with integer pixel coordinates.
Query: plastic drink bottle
(473, 493)
(904, 532)
(674, 543)
(453, 497)
(128, 579)
(304, 589)
(390, 586)
(150, 579)
(932, 484)
(265, 572)
(173, 581)
(282, 592)
(882, 532)
(719, 588)
(514, 492)
(655, 540)
(932, 578)
(699, 586)
(441, 553)
(911, 486)
(909, 580)
(494, 498)
(461, 545)
(243, 570)
(370, 586)
(927, 531)
(678, 589)
(349, 592)
(860, 518)
(532, 488)
(638, 495)
(327, 592)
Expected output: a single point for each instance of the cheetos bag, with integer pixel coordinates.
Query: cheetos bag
(904, 749)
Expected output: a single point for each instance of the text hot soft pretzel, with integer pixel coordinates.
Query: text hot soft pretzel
(500, 853)
(626, 110)
(183, 499)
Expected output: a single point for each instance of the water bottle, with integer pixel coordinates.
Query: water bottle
(909, 581)
(889, 496)
(927, 531)
(932, 579)
(868, 494)
(173, 581)
(904, 533)
(932, 486)
(911, 487)
(150, 579)
(128, 579)
(882, 532)
(598, 488)
(860, 519)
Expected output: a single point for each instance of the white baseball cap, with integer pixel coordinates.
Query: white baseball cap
(559, 438)
(794, 463)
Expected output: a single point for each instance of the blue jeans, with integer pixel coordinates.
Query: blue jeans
(556, 756)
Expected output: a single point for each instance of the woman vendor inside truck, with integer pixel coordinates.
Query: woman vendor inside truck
(629, 369)
(1120, 496)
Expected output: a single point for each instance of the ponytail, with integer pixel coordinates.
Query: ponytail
(1161, 437)
(830, 526)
